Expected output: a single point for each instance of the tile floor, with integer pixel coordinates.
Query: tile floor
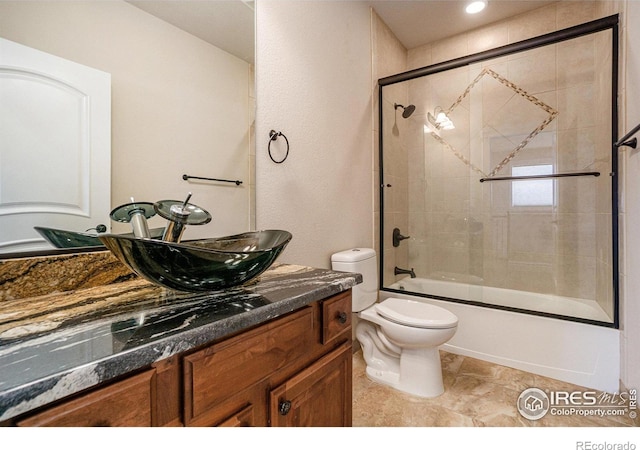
(477, 394)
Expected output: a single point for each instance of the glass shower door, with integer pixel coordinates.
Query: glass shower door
(502, 179)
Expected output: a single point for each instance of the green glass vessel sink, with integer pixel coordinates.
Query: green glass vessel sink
(200, 265)
(68, 239)
(72, 239)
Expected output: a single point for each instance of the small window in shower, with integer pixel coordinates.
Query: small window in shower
(532, 192)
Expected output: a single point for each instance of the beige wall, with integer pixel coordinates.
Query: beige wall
(179, 105)
(313, 81)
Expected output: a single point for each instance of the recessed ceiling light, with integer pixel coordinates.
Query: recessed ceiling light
(476, 7)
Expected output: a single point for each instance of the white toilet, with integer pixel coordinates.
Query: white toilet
(399, 337)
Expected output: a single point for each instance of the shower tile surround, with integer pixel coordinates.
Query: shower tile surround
(520, 242)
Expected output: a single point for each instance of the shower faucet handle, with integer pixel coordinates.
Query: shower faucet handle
(397, 237)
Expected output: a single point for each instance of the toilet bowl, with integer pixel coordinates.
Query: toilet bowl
(402, 351)
(399, 338)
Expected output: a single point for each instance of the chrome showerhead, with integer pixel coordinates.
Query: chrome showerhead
(406, 110)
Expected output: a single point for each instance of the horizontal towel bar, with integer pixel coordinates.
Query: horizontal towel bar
(237, 182)
(551, 175)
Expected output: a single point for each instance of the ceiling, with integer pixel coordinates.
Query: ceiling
(229, 24)
(418, 22)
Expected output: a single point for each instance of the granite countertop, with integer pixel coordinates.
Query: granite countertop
(55, 345)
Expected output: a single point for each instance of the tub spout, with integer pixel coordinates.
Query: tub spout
(399, 271)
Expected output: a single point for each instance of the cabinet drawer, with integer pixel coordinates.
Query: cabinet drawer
(127, 403)
(224, 369)
(336, 316)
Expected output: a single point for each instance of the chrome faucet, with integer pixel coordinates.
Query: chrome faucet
(399, 271)
(179, 215)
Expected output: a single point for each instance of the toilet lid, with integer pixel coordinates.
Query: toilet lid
(416, 314)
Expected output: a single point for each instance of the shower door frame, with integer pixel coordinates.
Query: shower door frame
(603, 24)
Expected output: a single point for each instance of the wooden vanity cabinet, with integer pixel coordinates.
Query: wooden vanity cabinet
(294, 370)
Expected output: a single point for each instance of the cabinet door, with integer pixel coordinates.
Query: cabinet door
(319, 396)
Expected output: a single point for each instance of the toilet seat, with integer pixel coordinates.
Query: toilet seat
(416, 314)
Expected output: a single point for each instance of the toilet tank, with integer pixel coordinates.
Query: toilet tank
(363, 261)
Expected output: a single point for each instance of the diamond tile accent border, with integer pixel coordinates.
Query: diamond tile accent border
(548, 109)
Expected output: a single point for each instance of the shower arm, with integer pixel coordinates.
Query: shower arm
(629, 142)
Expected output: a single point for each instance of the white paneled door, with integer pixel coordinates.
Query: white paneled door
(55, 146)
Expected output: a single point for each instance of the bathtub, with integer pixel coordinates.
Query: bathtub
(473, 291)
(579, 353)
